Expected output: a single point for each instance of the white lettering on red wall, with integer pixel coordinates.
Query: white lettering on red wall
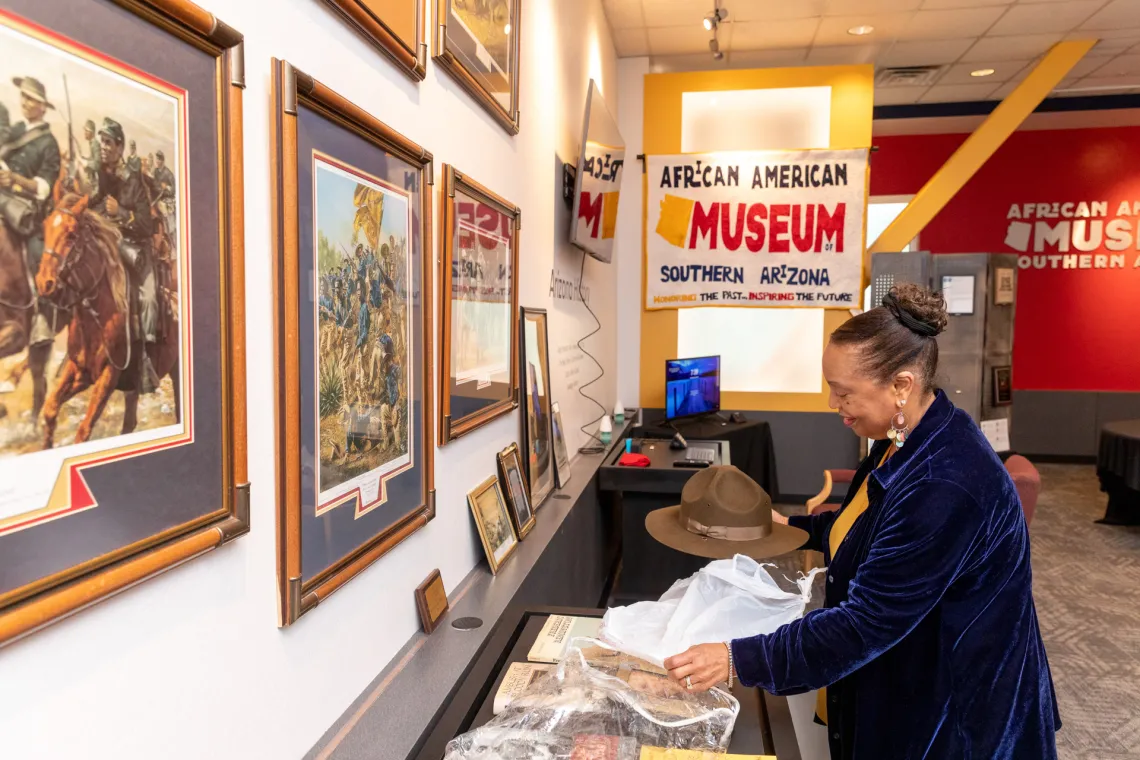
(1064, 235)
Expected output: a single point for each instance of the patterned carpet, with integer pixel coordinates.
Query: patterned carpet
(1086, 584)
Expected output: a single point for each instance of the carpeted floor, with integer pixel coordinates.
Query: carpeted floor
(1086, 584)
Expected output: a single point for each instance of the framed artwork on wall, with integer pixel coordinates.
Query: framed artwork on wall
(537, 433)
(395, 27)
(353, 329)
(514, 486)
(493, 522)
(478, 43)
(1003, 386)
(122, 398)
(561, 455)
(478, 321)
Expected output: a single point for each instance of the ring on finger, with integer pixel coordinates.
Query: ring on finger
(688, 682)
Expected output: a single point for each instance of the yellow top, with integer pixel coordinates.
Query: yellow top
(839, 530)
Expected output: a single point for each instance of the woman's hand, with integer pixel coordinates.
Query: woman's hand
(701, 667)
(779, 518)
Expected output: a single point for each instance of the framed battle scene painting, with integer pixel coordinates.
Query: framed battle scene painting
(395, 27)
(537, 431)
(122, 364)
(561, 455)
(353, 330)
(478, 44)
(513, 485)
(480, 306)
(493, 522)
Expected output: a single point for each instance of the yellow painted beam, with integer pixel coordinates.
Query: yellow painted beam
(982, 144)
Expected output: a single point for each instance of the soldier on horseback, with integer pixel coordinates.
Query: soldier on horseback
(29, 166)
(124, 199)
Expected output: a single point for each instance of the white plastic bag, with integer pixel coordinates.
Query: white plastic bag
(728, 599)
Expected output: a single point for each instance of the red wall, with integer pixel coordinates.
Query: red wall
(1077, 329)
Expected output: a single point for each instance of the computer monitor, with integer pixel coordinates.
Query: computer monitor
(692, 387)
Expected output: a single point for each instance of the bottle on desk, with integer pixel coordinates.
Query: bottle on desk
(619, 413)
(606, 430)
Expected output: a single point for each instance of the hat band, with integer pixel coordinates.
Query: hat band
(725, 533)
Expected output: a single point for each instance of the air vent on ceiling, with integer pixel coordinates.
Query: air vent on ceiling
(907, 76)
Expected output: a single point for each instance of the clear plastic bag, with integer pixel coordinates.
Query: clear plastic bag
(616, 704)
(728, 599)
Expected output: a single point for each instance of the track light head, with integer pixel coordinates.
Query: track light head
(714, 17)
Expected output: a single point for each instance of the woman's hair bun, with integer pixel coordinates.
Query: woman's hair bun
(922, 304)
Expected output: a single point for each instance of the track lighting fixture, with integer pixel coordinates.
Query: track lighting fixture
(714, 17)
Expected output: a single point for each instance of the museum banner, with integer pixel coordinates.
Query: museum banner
(757, 228)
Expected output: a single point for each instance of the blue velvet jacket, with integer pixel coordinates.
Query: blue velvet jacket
(928, 641)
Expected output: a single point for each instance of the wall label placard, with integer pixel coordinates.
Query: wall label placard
(757, 228)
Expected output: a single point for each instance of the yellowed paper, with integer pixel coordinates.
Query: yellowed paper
(674, 221)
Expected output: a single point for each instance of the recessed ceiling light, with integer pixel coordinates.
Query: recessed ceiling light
(859, 31)
(982, 72)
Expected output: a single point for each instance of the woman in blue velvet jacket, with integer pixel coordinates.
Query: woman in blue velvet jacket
(928, 643)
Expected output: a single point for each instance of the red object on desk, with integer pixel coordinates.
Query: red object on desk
(634, 460)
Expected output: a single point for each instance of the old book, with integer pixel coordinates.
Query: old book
(595, 747)
(657, 753)
(556, 635)
(519, 679)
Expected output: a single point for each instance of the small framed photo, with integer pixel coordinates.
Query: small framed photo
(514, 486)
(1003, 386)
(493, 522)
(431, 601)
(561, 455)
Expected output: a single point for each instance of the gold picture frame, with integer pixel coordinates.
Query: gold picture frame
(513, 483)
(298, 96)
(493, 521)
(379, 27)
(39, 603)
(486, 74)
(486, 398)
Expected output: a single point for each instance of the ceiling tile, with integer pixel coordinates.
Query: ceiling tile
(951, 24)
(1003, 72)
(944, 4)
(858, 7)
(678, 40)
(775, 10)
(760, 59)
(1034, 19)
(623, 14)
(694, 62)
(958, 93)
(1130, 82)
(833, 29)
(1118, 14)
(897, 96)
(675, 12)
(755, 35)
(925, 52)
(1123, 65)
(1088, 65)
(844, 55)
(1010, 48)
(1124, 33)
(631, 42)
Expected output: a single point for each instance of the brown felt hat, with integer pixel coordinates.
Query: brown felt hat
(723, 512)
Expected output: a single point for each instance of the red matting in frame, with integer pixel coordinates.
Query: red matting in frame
(71, 494)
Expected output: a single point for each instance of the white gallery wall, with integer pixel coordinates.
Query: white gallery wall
(191, 664)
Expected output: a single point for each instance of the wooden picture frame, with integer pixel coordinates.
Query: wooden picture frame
(535, 412)
(431, 601)
(498, 537)
(481, 397)
(460, 52)
(561, 454)
(104, 531)
(408, 53)
(346, 531)
(513, 483)
(1003, 386)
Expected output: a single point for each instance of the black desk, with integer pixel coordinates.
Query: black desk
(1118, 466)
(648, 568)
(752, 448)
(764, 725)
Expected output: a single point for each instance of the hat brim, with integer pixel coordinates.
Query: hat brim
(666, 528)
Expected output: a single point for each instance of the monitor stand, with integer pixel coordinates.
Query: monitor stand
(677, 424)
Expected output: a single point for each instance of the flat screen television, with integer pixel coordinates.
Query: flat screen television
(597, 185)
(692, 387)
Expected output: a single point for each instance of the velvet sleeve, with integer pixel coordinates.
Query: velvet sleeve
(917, 552)
(817, 527)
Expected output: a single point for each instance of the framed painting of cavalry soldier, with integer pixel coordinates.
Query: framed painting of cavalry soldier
(353, 313)
(395, 27)
(480, 296)
(122, 390)
(478, 44)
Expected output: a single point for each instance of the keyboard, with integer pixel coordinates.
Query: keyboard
(707, 456)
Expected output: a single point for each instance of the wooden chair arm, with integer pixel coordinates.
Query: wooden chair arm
(823, 495)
